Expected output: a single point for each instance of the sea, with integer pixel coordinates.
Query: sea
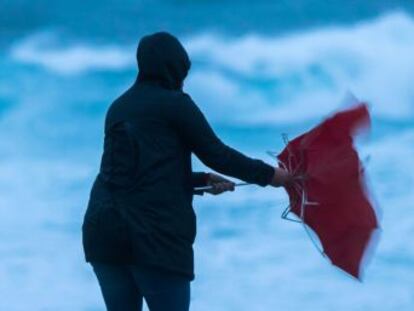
(259, 69)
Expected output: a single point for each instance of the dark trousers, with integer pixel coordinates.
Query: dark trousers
(125, 286)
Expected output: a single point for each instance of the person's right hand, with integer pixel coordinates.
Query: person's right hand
(219, 184)
(281, 178)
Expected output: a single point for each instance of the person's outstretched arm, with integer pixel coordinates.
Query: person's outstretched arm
(195, 130)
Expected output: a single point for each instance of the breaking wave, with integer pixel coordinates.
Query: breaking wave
(286, 79)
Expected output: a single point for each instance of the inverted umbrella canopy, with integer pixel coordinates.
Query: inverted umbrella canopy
(332, 198)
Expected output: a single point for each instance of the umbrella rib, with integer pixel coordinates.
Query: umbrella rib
(301, 192)
(302, 208)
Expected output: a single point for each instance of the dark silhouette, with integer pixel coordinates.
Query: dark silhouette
(140, 215)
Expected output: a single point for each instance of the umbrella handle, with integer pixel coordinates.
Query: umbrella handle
(201, 190)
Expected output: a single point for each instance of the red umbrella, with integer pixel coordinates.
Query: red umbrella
(331, 199)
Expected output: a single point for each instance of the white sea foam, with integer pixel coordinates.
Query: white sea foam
(40, 49)
(308, 72)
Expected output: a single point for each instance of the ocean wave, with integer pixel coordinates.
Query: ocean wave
(294, 78)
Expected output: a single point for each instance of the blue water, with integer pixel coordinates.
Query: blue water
(258, 71)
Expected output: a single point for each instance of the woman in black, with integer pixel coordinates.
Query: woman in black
(140, 226)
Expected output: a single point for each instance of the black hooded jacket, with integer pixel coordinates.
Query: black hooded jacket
(140, 207)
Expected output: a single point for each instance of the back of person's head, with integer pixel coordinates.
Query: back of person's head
(161, 57)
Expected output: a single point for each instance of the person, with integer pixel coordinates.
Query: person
(139, 226)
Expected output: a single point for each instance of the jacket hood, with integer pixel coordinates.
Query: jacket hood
(162, 58)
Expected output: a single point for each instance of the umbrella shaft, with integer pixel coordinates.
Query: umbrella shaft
(206, 188)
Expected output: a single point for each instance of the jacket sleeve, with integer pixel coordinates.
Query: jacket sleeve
(199, 179)
(195, 130)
